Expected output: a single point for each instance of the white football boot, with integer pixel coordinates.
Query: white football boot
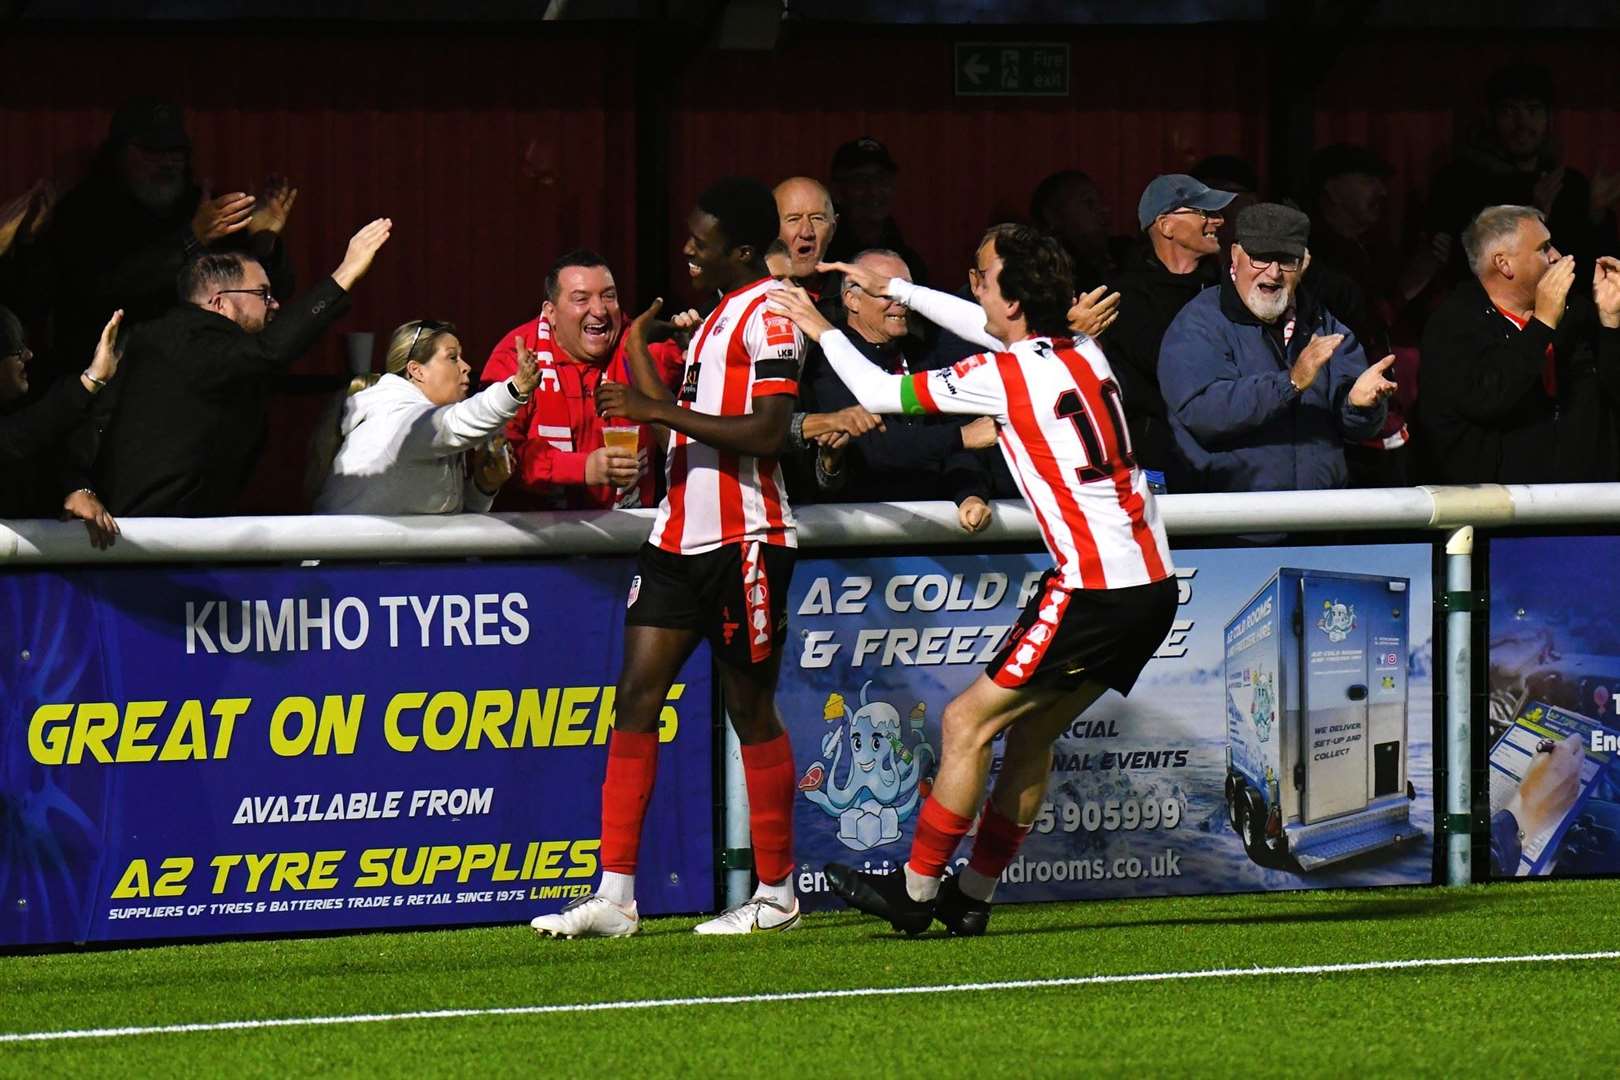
(758, 914)
(591, 916)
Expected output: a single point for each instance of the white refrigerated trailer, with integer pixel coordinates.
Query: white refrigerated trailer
(1316, 702)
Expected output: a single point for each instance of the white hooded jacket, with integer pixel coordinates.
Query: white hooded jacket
(402, 454)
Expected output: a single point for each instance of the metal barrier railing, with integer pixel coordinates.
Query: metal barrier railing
(1455, 511)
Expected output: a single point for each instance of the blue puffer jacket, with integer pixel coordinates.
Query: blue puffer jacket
(1237, 420)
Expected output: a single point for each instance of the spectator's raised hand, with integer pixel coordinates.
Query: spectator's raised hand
(104, 365)
(363, 247)
(870, 281)
(25, 215)
(979, 434)
(1312, 359)
(527, 376)
(1093, 312)
(972, 513)
(219, 217)
(1606, 290)
(1424, 264)
(795, 303)
(101, 525)
(1552, 291)
(1372, 387)
(270, 213)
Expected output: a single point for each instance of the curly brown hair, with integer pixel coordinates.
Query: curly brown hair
(1036, 275)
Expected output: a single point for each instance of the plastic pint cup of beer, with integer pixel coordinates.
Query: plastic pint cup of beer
(624, 438)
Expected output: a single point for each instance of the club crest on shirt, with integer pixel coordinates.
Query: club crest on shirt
(778, 329)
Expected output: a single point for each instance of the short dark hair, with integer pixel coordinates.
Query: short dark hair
(578, 257)
(1037, 275)
(746, 211)
(1519, 82)
(1048, 191)
(210, 272)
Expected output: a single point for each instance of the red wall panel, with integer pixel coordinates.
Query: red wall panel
(1142, 104)
(1412, 98)
(491, 155)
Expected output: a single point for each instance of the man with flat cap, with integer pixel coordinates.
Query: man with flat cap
(1179, 217)
(862, 183)
(1262, 382)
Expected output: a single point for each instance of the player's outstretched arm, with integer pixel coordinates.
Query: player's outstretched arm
(874, 388)
(964, 318)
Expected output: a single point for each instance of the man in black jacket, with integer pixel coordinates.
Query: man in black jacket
(908, 457)
(191, 412)
(1179, 216)
(1520, 380)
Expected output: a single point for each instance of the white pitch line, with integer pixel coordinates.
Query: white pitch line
(797, 995)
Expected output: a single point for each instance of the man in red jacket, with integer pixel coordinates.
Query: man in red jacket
(559, 460)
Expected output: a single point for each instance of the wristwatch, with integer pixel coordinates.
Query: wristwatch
(517, 395)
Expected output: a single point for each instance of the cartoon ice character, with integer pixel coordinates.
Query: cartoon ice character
(872, 777)
(1337, 620)
(1263, 711)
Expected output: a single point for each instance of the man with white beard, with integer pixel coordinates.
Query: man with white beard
(1263, 383)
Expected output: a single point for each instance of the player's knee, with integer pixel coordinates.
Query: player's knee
(755, 721)
(963, 729)
(636, 708)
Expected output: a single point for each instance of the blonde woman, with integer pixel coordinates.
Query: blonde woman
(406, 437)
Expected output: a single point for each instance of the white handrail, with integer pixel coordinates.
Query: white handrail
(254, 539)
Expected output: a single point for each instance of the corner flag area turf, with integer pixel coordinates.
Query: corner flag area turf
(1511, 979)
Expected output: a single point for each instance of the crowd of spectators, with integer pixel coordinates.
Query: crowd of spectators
(1260, 340)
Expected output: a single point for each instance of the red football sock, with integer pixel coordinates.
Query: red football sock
(939, 831)
(997, 843)
(768, 769)
(626, 789)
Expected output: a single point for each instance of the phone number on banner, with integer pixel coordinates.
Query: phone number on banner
(1109, 815)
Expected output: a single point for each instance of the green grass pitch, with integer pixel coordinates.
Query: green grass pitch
(1542, 1018)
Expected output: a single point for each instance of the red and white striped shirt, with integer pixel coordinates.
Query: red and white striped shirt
(1062, 430)
(741, 352)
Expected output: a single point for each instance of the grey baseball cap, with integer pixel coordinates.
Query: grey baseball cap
(1174, 191)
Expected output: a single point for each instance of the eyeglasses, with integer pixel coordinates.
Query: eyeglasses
(262, 292)
(430, 326)
(1286, 263)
